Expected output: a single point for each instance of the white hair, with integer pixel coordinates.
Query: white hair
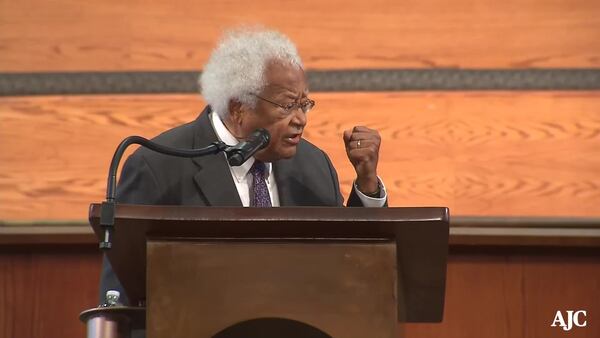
(236, 67)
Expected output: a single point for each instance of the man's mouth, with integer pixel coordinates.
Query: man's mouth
(293, 138)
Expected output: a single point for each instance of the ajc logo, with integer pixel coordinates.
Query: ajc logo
(573, 318)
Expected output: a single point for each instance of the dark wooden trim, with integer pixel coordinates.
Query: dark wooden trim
(349, 80)
(465, 231)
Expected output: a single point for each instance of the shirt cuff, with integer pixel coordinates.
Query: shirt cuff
(372, 202)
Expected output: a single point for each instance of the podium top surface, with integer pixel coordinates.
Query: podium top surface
(282, 222)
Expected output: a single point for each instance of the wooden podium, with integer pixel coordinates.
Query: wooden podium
(340, 272)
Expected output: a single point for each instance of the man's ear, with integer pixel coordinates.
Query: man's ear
(236, 112)
(235, 119)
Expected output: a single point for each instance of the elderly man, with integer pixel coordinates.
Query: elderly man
(254, 79)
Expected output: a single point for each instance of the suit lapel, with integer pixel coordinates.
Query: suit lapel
(284, 171)
(213, 178)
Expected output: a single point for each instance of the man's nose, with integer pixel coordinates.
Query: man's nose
(299, 118)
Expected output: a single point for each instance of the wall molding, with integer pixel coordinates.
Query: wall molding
(464, 231)
(355, 80)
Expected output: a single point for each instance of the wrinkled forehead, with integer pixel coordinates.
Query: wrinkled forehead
(283, 78)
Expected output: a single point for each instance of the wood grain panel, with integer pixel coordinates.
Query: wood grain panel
(494, 296)
(41, 295)
(514, 296)
(480, 153)
(334, 34)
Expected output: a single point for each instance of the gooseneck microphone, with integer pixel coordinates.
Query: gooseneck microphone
(236, 155)
(241, 152)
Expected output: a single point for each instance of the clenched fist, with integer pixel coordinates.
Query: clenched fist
(362, 148)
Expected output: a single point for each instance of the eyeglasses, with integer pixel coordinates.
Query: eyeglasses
(305, 105)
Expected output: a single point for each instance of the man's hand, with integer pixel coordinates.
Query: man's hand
(362, 147)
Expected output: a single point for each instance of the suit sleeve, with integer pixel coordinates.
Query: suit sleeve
(358, 199)
(353, 200)
(335, 183)
(137, 185)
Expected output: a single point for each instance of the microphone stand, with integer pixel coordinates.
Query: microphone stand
(107, 211)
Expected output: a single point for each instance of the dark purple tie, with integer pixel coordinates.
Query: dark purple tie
(259, 193)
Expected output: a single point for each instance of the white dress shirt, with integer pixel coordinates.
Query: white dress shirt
(243, 178)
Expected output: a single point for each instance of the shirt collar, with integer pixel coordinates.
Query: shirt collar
(225, 135)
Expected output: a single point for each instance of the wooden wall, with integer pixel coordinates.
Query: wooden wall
(43, 291)
(480, 153)
(483, 153)
(501, 294)
(151, 35)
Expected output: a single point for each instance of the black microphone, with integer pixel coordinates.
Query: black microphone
(107, 212)
(241, 152)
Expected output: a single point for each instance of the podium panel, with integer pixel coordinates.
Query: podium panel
(346, 288)
(343, 272)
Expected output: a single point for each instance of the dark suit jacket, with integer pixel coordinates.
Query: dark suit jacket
(307, 179)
